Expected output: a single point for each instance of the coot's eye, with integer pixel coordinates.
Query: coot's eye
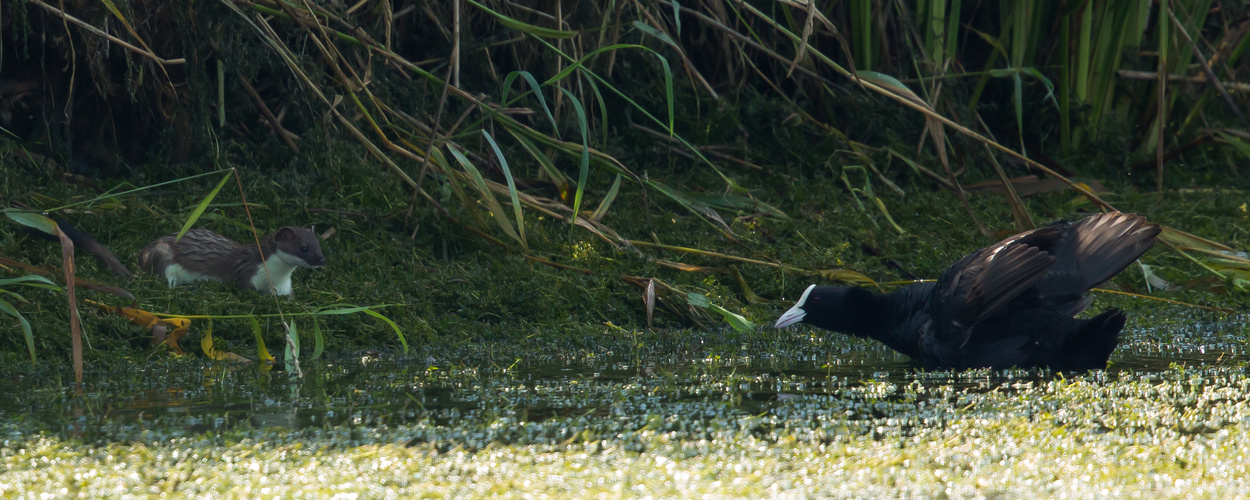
(304, 249)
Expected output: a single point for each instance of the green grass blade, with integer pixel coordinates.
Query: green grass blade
(319, 341)
(33, 280)
(32, 220)
(579, 63)
(584, 164)
(737, 321)
(603, 109)
(668, 79)
(1019, 102)
(893, 85)
(496, 210)
(398, 333)
(607, 200)
(1237, 144)
(507, 174)
(863, 32)
(457, 187)
(936, 34)
(523, 27)
(659, 35)
(7, 308)
(886, 213)
(292, 342)
(344, 310)
(990, 62)
(199, 209)
(952, 29)
(1050, 86)
(535, 88)
(677, 15)
(15, 295)
(1084, 52)
(693, 206)
(109, 195)
(698, 300)
(668, 90)
(668, 96)
(544, 162)
(1018, 23)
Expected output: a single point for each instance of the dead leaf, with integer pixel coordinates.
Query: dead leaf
(180, 326)
(206, 344)
(648, 298)
(845, 275)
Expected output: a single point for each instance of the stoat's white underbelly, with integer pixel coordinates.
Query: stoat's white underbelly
(279, 270)
(178, 275)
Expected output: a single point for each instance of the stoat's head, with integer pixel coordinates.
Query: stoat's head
(299, 246)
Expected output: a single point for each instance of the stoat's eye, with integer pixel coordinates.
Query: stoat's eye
(304, 249)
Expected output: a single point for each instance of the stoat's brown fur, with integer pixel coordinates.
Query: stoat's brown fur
(204, 255)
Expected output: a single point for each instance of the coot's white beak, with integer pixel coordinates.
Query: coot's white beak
(796, 313)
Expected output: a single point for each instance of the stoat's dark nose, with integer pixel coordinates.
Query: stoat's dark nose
(320, 260)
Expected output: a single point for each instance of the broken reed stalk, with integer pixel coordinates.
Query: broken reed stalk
(75, 323)
(272, 120)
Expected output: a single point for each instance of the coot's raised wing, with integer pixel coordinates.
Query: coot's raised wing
(980, 284)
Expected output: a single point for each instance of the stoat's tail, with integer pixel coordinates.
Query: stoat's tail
(84, 241)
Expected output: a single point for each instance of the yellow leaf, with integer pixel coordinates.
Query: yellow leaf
(262, 353)
(206, 344)
(178, 327)
(181, 326)
(845, 275)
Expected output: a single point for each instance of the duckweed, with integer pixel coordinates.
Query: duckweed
(676, 415)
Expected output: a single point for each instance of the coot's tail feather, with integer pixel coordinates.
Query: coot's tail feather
(1091, 345)
(1089, 252)
(1108, 243)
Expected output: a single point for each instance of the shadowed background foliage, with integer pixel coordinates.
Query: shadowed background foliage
(632, 162)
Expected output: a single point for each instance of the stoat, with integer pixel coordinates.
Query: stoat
(204, 255)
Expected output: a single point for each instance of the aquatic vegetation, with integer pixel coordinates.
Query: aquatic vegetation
(688, 414)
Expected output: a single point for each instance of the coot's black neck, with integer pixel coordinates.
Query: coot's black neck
(859, 312)
(888, 318)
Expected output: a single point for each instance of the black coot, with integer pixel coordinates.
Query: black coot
(1009, 304)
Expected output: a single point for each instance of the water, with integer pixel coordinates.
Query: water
(664, 414)
(506, 391)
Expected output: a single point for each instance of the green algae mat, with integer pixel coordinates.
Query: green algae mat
(683, 414)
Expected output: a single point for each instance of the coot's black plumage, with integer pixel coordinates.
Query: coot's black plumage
(1009, 304)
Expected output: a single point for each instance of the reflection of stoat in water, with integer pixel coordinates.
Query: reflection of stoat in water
(204, 255)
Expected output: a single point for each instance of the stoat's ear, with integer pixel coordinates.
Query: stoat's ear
(285, 232)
